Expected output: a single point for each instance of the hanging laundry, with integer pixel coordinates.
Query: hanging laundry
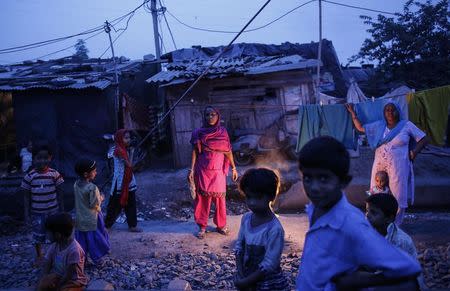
(333, 120)
(429, 111)
(370, 111)
(308, 124)
(354, 93)
(339, 124)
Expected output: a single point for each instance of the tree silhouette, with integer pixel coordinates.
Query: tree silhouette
(81, 50)
(412, 47)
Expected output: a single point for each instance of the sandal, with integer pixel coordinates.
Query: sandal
(201, 234)
(223, 231)
(135, 229)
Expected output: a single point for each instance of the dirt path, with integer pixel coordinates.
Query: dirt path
(169, 237)
(161, 237)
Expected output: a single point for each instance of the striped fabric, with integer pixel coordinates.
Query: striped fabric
(43, 189)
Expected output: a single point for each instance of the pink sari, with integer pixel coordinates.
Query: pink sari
(211, 167)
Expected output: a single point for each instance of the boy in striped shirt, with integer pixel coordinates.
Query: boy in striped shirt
(43, 195)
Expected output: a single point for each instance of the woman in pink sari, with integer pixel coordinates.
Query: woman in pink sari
(211, 159)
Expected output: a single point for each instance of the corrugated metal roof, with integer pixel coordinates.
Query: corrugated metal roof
(283, 67)
(179, 60)
(103, 84)
(185, 70)
(64, 74)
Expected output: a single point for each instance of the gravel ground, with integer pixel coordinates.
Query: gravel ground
(204, 270)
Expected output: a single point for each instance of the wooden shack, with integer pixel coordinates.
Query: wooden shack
(252, 88)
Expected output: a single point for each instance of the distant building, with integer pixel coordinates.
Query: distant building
(361, 75)
(71, 104)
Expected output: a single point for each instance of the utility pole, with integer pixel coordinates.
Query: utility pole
(116, 75)
(319, 54)
(155, 29)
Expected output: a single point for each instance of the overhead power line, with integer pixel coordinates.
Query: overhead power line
(114, 41)
(167, 24)
(248, 30)
(69, 47)
(42, 43)
(55, 40)
(359, 7)
(120, 34)
(189, 89)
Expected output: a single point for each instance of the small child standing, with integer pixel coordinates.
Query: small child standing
(261, 236)
(123, 186)
(26, 154)
(90, 231)
(42, 191)
(64, 260)
(381, 183)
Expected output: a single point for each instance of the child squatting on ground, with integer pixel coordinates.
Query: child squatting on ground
(41, 190)
(340, 242)
(64, 260)
(90, 231)
(260, 240)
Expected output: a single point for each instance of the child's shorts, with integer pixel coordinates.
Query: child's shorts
(38, 227)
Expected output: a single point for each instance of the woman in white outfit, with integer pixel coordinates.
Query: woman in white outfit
(390, 138)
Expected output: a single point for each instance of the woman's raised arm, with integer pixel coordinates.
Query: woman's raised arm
(355, 119)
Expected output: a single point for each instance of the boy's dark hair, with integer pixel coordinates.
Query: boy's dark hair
(261, 181)
(84, 166)
(325, 152)
(61, 223)
(42, 147)
(385, 202)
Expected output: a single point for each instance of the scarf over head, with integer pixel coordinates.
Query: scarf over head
(212, 138)
(120, 151)
(375, 130)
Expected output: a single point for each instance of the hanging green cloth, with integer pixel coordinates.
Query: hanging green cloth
(428, 110)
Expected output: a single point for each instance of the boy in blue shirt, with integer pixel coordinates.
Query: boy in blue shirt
(340, 241)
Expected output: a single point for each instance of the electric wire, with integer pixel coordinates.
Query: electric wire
(248, 30)
(113, 42)
(120, 34)
(163, 47)
(167, 24)
(69, 47)
(161, 120)
(51, 41)
(359, 7)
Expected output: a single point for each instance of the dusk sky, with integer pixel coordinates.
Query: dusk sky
(29, 21)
